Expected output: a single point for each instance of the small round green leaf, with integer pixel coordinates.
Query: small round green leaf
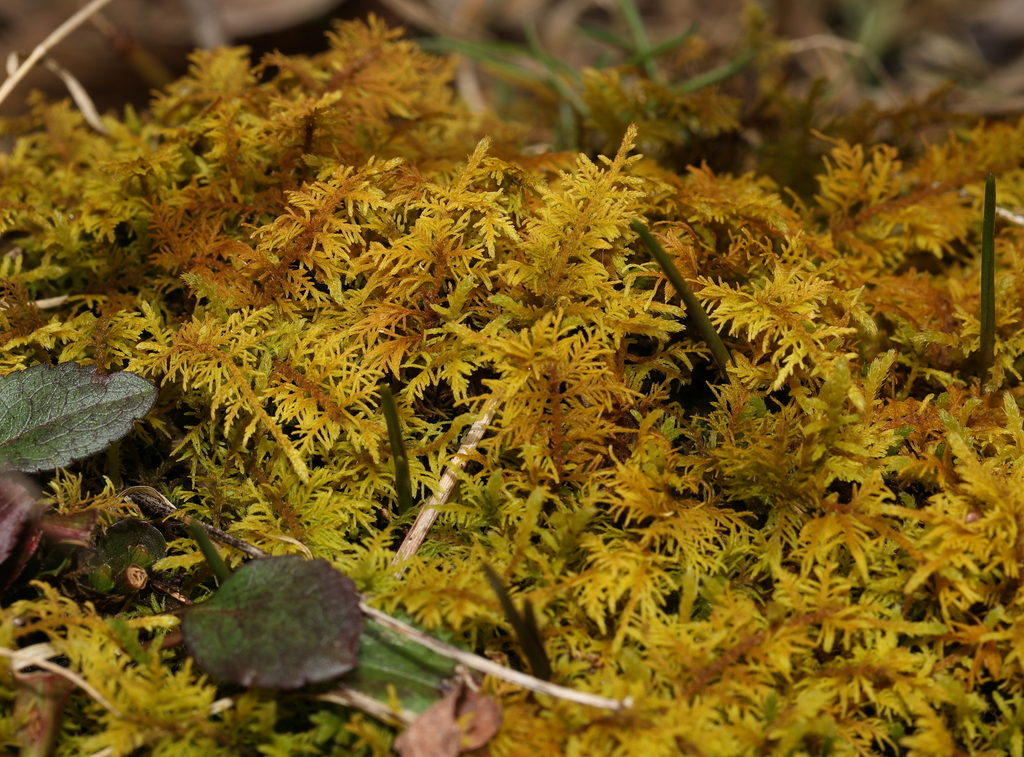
(52, 415)
(279, 623)
(131, 542)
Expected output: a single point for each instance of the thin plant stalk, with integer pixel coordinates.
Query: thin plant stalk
(213, 558)
(403, 481)
(446, 486)
(525, 626)
(693, 307)
(491, 668)
(988, 281)
(663, 47)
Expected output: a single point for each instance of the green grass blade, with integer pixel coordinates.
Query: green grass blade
(693, 306)
(501, 58)
(403, 481)
(641, 44)
(988, 280)
(490, 50)
(716, 75)
(556, 70)
(607, 37)
(498, 56)
(667, 46)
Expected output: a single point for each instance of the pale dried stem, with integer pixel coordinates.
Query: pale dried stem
(44, 304)
(426, 517)
(51, 302)
(150, 500)
(1009, 216)
(78, 93)
(207, 29)
(491, 668)
(55, 38)
(373, 707)
(424, 17)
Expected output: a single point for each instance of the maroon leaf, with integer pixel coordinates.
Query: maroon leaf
(39, 710)
(70, 528)
(19, 528)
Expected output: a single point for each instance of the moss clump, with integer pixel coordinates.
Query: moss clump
(820, 555)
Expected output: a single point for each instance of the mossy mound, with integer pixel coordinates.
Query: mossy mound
(818, 554)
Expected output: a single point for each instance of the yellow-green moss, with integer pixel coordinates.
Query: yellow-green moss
(821, 556)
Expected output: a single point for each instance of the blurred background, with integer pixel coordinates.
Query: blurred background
(883, 51)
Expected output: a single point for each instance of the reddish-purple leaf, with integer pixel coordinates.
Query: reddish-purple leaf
(19, 529)
(39, 710)
(70, 528)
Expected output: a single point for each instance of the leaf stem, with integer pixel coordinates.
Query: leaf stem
(38, 656)
(152, 502)
(55, 37)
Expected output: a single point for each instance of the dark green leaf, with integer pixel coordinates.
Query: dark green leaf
(716, 75)
(667, 46)
(607, 37)
(641, 44)
(693, 306)
(388, 659)
(101, 579)
(279, 623)
(121, 551)
(52, 415)
(131, 542)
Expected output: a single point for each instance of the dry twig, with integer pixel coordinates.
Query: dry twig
(74, 87)
(414, 539)
(151, 501)
(491, 668)
(48, 44)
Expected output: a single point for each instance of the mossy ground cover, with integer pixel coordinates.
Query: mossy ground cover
(818, 553)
